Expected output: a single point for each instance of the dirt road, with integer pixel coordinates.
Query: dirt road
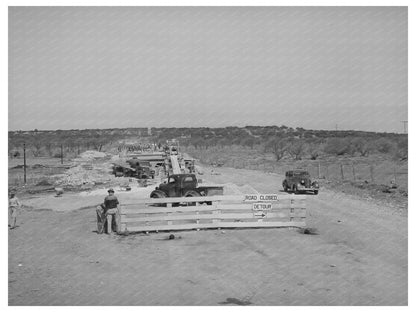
(359, 257)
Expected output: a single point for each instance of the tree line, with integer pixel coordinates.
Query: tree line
(283, 141)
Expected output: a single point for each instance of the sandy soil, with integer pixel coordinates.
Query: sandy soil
(359, 256)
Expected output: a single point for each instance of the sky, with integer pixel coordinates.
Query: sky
(115, 67)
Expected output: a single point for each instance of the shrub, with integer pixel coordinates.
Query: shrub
(401, 152)
(278, 147)
(384, 145)
(314, 150)
(337, 146)
(362, 146)
(296, 148)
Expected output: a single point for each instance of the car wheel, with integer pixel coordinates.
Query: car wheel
(294, 189)
(315, 192)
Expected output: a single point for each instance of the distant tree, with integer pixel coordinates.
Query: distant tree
(98, 142)
(314, 150)
(248, 141)
(49, 148)
(308, 135)
(209, 142)
(222, 142)
(401, 152)
(197, 142)
(36, 147)
(337, 146)
(14, 154)
(384, 145)
(362, 146)
(70, 144)
(296, 148)
(278, 147)
(352, 148)
(237, 140)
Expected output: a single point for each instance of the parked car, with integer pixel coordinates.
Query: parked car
(298, 181)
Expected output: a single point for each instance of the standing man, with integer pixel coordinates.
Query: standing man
(14, 205)
(106, 212)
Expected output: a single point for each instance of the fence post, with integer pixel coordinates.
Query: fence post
(342, 172)
(319, 169)
(24, 163)
(372, 173)
(292, 208)
(353, 171)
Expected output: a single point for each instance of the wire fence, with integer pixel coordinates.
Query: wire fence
(382, 173)
(374, 170)
(39, 171)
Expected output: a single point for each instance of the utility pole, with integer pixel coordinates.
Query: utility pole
(24, 162)
(404, 126)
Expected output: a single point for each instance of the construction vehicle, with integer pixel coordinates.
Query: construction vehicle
(143, 168)
(185, 185)
(297, 181)
(190, 165)
(134, 168)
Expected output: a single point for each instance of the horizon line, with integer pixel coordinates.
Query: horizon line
(195, 127)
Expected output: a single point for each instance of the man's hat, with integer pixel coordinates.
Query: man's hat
(110, 190)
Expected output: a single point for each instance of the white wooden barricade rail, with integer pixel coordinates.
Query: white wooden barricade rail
(225, 212)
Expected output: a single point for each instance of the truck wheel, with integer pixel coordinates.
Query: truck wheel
(192, 194)
(158, 194)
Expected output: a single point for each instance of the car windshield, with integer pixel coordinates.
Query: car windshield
(300, 173)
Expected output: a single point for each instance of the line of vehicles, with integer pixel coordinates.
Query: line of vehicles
(181, 180)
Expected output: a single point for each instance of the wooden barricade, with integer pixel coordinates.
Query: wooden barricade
(186, 213)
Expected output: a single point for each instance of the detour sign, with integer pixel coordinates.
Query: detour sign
(262, 206)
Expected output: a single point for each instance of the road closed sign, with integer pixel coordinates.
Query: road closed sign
(260, 197)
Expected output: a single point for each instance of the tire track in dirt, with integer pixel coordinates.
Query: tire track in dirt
(361, 260)
(363, 236)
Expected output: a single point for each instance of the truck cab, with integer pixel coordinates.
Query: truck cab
(178, 185)
(185, 185)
